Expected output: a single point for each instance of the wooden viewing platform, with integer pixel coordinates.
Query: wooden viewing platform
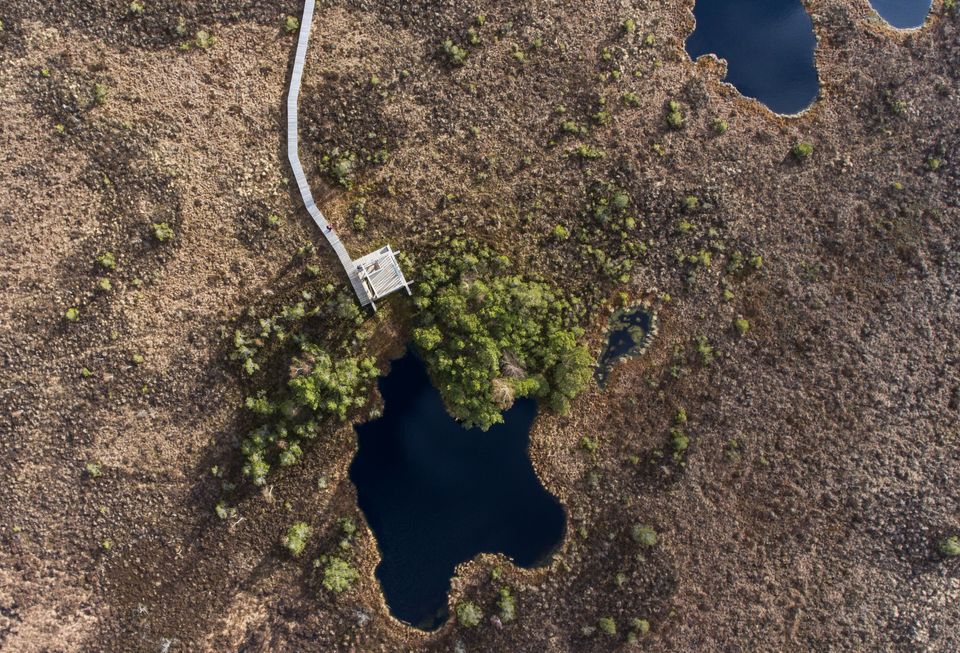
(375, 275)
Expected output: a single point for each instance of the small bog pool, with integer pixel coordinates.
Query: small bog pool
(437, 494)
(903, 14)
(768, 45)
(628, 334)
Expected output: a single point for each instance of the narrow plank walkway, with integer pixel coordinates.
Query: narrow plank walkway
(293, 154)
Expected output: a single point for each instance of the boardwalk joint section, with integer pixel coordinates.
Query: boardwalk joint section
(375, 275)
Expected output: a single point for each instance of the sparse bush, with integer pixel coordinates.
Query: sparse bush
(348, 526)
(256, 468)
(72, 314)
(93, 470)
(638, 628)
(223, 511)
(742, 325)
(359, 223)
(950, 546)
(136, 8)
(644, 534)
(802, 151)
(586, 152)
(720, 126)
(204, 40)
(468, 614)
(342, 167)
(897, 106)
(602, 116)
(631, 98)
(680, 441)
(107, 261)
(100, 94)
(290, 455)
(607, 626)
(560, 232)
(339, 575)
(162, 231)
(296, 538)
(291, 24)
(674, 115)
(705, 350)
(507, 605)
(571, 127)
(455, 54)
(629, 26)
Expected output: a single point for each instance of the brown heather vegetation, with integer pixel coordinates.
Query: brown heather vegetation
(790, 485)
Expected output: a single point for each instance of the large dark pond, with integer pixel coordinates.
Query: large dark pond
(903, 14)
(437, 494)
(768, 45)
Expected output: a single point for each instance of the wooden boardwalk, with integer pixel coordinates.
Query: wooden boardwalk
(293, 154)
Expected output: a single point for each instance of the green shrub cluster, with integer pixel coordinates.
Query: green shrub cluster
(950, 546)
(489, 336)
(607, 626)
(638, 628)
(674, 115)
(802, 151)
(456, 54)
(296, 538)
(162, 231)
(644, 534)
(468, 614)
(338, 575)
(312, 372)
(507, 605)
(319, 387)
(329, 386)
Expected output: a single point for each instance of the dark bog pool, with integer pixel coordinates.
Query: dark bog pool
(903, 14)
(768, 45)
(626, 336)
(437, 494)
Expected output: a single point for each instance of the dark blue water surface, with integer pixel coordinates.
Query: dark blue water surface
(437, 494)
(903, 13)
(768, 45)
